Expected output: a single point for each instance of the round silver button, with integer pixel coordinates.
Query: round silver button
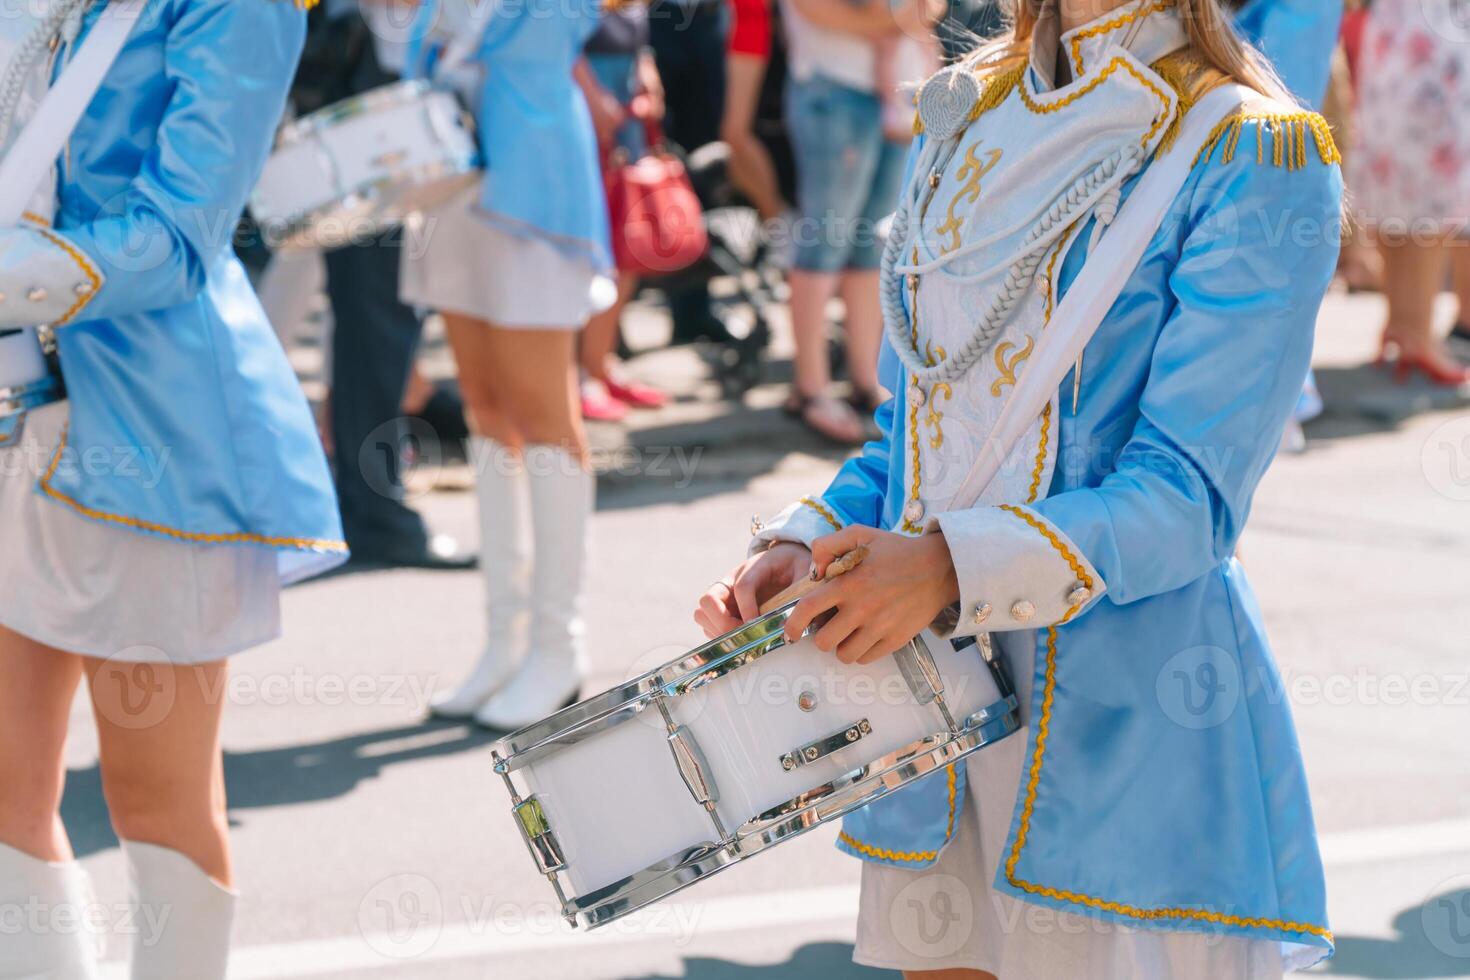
(37, 295)
(1023, 610)
(913, 512)
(982, 612)
(82, 289)
(807, 700)
(917, 396)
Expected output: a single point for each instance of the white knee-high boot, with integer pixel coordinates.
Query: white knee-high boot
(182, 917)
(45, 903)
(562, 492)
(505, 561)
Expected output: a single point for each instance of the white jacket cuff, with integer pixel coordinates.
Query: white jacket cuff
(803, 522)
(1016, 571)
(44, 278)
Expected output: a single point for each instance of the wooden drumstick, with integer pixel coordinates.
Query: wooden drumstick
(797, 590)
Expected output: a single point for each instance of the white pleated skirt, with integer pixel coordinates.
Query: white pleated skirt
(949, 916)
(455, 260)
(102, 590)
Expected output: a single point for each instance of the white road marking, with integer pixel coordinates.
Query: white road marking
(673, 925)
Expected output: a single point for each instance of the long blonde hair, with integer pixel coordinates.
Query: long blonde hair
(1210, 36)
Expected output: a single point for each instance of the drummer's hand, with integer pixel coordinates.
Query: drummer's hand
(880, 605)
(737, 598)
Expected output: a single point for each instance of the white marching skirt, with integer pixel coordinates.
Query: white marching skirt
(949, 916)
(455, 260)
(102, 590)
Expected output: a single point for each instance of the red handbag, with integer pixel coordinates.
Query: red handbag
(656, 218)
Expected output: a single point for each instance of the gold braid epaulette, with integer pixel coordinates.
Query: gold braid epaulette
(1288, 137)
(1191, 79)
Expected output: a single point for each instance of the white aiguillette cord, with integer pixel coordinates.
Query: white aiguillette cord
(1096, 289)
(32, 155)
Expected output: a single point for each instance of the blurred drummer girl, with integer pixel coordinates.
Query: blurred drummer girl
(1158, 811)
(150, 518)
(516, 266)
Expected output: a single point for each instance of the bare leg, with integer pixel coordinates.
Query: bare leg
(600, 339)
(864, 327)
(1413, 275)
(751, 167)
(35, 702)
(162, 770)
(810, 292)
(519, 385)
(1460, 268)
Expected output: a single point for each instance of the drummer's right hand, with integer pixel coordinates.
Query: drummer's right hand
(737, 597)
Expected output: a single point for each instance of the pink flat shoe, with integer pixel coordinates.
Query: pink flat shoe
(598, 404)
(634, 394)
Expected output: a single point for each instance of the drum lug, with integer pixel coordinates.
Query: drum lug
(919, 671)
(536, 829)
(692, 766)
(805, 755)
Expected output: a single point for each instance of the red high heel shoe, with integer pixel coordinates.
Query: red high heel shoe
(1436, 370)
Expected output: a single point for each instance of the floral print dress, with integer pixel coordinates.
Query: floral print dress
(1412, 169)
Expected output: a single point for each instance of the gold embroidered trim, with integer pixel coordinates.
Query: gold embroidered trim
(34, 219)
(306, 544)
(94, 278)
(908, 856)
(1043, 728)
(1042, 108)
(1288, 138)
(1153, 8)
(1191, 79)
(1071, 559)
(821, 509)
(1008, 367)
(1040, 455)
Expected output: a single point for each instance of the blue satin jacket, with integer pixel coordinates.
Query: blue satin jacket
(166, 352)
(1299, 37)
(1163, 784)
(542, 175)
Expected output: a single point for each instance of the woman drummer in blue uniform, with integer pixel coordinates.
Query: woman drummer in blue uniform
(1157, 815)
(150, 518)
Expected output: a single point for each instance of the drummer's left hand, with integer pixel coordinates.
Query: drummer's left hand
(890, 598)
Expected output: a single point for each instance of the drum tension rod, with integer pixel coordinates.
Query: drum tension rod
(692, 765)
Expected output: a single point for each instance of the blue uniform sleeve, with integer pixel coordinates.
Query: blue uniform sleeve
(228, 65)
(1225, 375)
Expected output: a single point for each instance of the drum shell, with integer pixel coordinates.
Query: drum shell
(617, 800)
(359, 168)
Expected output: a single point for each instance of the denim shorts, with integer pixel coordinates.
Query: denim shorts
(848, 175)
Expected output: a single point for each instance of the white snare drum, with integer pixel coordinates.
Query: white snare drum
(29, 377)
(358, 168)
(646, 789)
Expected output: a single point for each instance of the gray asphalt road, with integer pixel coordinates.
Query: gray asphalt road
(373, 844)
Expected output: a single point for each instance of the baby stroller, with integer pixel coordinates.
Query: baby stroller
(740, 263)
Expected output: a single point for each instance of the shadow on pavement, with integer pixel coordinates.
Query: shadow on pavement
(1364, 400)
(813, 960)
(275, 777)
(1433, 941)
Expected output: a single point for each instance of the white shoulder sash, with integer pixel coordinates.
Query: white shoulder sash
(35, 151)
(1097, 288)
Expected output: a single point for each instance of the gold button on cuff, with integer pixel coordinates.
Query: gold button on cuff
(37, 295)
(1079, 596)
(82, 289)
(913, 512)
(982, 613)
(1023, 610)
